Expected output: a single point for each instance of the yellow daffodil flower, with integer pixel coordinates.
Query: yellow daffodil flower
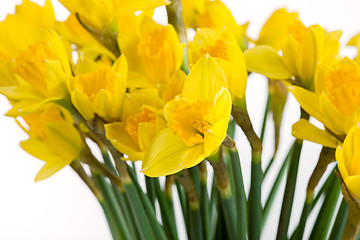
(101, 14)
(41, 73)
(302, 49)
(214, 15)
(25, 27)
(335, 103)
(153, 56)
(221, 45)
(276, 28)
(141, 119)
(99, 89)
(196, 122)
(348, 159)
(52, 139)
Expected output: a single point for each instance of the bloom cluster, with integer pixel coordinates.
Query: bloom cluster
(146, 92)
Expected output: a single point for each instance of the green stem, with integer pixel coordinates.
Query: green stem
(183, 203)
(150, 190)
(275, 187)
(120, 196)
(194, 213)
(304, 215)
(240, 197)
(167, 214)
(149, 210)
(113, 207)
(110, 220)
(289, 192)
(323, 221)
(339, 224)
(263, 126)
(254, 204)
(204, 199)
(138, 210)
(226, 197)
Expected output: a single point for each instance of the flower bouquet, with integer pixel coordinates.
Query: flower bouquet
(111, 89)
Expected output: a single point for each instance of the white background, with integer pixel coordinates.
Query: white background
(63, 208)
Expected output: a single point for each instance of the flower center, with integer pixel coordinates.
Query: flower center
(132, 123)
(219, 50)
(157, 51)
(342, 86)
(92, 83)
(297, 30)
(30, 65)
(37, 121)
(191, 121)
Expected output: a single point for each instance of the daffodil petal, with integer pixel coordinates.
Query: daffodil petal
(353, 184)
(82, 104)
(205, 80)
(304, 130)
(266, 61)
(37, 148)
(340, 161)
(122, 141)
(167, 154)
(309, 101)
(51, 167)
(335, 120)
(275, 28)
(64, 139)
(306, 58)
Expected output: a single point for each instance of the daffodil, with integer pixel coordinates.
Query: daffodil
(154, 55)
(141, 119)
(214, 15)
(348, 159)
(196, 122)
(335, 103)
(276, 29)
(99, 89)
(52, 139)
(303, 49)
(101, 14)
(222, 46)
(40, 74)
(25, 27)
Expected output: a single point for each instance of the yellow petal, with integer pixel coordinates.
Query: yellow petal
(64, 139)
(340, 162)
(306, 58)
(353, 184)
(37, 148)
(103, 104)
(147, 132)
(216, 134)
(120, 66)
(85, 65)
(121, 140)
(309, 101)
(266, 61)
(275, 28)
(205, 80)
(55, 78)
(52, 166)
(82, 104)
(349, 147)
(167, 154)
(304, 130)
(128, 44)
(290, 51)
(334, 119)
